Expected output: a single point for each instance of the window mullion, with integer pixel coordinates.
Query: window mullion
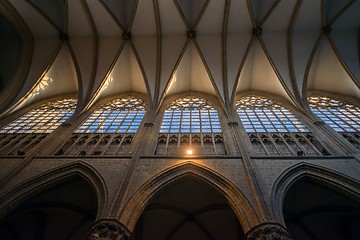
(286, 144)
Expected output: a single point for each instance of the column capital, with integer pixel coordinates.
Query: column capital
(268, 231)
(109, 229)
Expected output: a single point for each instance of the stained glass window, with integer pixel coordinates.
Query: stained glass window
(118, 116)
(338, 114)
(44, 119)
(259, 114)
(191, 115)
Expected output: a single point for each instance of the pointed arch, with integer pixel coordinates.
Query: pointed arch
(334, 180)
(26, 51)
(282, 118)
(191, 120)
(55, 112)
(239, 203)
(40, 183)
(173, 97)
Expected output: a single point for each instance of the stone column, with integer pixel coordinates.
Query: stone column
(268, 231)
(109, 229)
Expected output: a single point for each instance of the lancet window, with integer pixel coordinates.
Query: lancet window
(28, 130)
(274, 130)
(340, 115)
(109, 130)
(190, 124)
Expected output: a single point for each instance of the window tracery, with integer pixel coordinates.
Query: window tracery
(260, 114)
(28, 130)
(191, 115)
(340, 115)
(109, 130)
(274, 130)
(44, 119)
(190, 122)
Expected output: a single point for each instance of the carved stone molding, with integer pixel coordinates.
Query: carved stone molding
(126, 36)
(268, 231)
(326, 29)
(109, 229)
(257, 31)
(191, 34)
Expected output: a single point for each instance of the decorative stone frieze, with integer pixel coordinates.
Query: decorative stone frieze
(268, 231)
(109, 229)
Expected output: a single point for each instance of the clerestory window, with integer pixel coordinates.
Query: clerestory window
(259, 114)
(274, 130)
(190, 123)
(340, 115)
(190, 115)
(25, 132)
(44, 119)
(108, 131)
(118, 116)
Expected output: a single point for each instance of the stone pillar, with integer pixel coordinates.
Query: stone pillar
(109, 229)
(268, 231)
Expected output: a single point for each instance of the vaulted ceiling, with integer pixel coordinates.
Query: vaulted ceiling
(101, 48)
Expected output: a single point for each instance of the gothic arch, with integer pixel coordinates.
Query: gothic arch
(40, 183)
(334, 180)
(350, 99)
(24, 58)
(218, 105)
(277, 98)
(99, 102)
(13, 116)
(236, 199)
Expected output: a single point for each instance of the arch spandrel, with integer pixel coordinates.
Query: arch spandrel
(239, 203)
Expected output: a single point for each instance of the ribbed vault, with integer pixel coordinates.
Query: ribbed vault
(159, 48)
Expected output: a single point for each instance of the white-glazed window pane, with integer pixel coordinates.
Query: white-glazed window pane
(44, 119)
(259, 114)
(118, 116)
(190, 115)
(340, 115)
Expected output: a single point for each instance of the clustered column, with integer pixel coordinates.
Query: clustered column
(268, 231)
(109, 229)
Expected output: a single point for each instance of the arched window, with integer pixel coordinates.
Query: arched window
(190, 123)
(274, 130)
(44, 119)
(260, 114)
(342, 116)
(190, 115)
(109, 130)
(118, 116)
(29, 129)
